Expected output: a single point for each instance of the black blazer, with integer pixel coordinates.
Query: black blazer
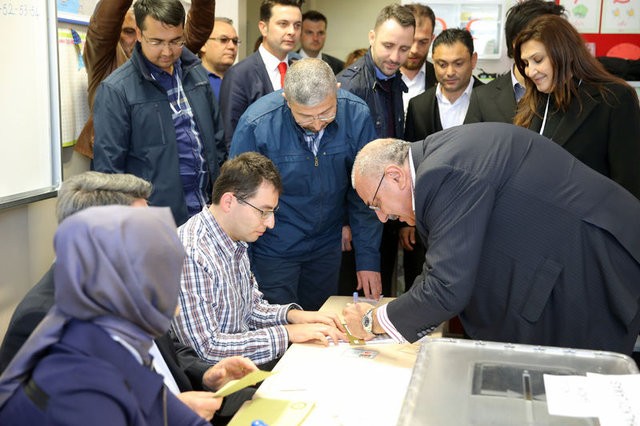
(183, 362)
(494, 102)
(243, 84)
(423, 115)
(336, 64)
(603, 134)
(430, 79)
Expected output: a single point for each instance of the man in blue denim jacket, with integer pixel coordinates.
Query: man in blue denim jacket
(312, 132)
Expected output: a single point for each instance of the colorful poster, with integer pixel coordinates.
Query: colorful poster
(74, 105)
(584, 14)
(620, 16)
(75, 11)
(482, 20)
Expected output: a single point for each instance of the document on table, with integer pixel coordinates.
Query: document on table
(248, 380)
(273, 412)
(611, 398)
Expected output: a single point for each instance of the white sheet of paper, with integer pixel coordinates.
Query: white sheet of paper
(569, 396)
(610, 398)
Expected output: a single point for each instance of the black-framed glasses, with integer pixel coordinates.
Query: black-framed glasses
(158, 44)
(370, 205)
(264, 214)
(224, 40)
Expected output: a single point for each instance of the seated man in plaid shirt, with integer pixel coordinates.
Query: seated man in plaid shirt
(222, 312)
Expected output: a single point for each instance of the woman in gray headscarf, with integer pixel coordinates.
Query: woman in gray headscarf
(117, 277)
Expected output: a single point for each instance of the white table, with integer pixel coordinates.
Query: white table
(350, 385)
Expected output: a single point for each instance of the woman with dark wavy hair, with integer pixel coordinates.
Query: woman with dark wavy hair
(574, 101)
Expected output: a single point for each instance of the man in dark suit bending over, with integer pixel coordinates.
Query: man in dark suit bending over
(524, 242)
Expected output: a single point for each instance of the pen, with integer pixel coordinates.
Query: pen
(355, 297)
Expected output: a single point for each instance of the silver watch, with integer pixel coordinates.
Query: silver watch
(367, 321)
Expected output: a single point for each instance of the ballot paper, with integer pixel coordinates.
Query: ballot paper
(239, 384)
(611, 398)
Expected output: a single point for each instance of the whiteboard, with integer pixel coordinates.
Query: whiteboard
(30, 150)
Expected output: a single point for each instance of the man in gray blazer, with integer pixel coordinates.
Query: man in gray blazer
(525, 243)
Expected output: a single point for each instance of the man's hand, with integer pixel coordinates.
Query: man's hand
(371, 283)
(407, 235)
(314, 333)
(296, 316)
(346, 238)
(232, 368)
(202, 403)
(353, 314)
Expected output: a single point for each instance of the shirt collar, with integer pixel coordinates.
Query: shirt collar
(518, 89)
(467, 92)
(382, 76)
(270, 61)
(303, 54)
(413, 181)
(418, 77)
(156, 71)
(220, 236)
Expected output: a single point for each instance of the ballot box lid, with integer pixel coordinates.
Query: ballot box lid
(471, 382)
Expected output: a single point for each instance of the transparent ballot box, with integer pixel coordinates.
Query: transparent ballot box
(467, 382)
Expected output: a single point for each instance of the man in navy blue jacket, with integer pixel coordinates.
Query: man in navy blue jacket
(259, 73)
(312, 134)
(376, 78)
(156, 116)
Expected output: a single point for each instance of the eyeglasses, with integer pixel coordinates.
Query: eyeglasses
(159, 44)
(224, 40)
(264, 214)
(370, 205)
(322, 118)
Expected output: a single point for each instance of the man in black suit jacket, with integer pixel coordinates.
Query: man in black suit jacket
(497, 101)
(312, 38)
(525, 243)
(418, 73)
(454, 58)
(258, 74)
(187, 369)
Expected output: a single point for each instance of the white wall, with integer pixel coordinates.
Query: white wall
(26, 245)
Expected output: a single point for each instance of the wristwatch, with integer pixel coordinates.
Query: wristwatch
(367, 321)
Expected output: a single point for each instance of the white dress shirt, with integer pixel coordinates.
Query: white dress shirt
(416, 86)
(453, 114)
(271, 64)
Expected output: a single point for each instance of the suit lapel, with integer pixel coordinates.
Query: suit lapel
(575, 117)
(261, 70)
(506, 99)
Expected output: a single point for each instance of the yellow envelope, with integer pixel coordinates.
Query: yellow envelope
(248, 380)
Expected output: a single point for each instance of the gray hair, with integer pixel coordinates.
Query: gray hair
(378, 154)
(309, 81)
(223, 19)
(90, 189)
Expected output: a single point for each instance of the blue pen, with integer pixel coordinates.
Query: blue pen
(355, 297)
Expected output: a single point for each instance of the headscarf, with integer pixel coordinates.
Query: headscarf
(118, 267)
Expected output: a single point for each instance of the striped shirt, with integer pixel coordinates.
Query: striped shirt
(222, 312)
